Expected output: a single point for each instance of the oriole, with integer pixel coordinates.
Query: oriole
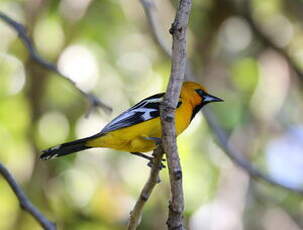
(138, 129)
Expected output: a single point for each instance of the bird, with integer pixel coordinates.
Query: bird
(138, 129)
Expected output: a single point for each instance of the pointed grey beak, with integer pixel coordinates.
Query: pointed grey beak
(207, 98)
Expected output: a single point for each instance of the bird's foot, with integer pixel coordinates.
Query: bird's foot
(151, 159)
(142, 155)
(157, 140)
(151, 163)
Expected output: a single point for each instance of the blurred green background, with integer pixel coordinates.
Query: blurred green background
(106, 47)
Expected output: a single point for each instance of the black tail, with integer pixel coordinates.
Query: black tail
(64, 149)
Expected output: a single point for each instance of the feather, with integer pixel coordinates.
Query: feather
(145, 110)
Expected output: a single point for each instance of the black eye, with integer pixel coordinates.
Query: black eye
(200, 92)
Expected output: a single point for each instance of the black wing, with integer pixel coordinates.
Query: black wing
(143, 111)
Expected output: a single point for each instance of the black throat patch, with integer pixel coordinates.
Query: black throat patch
(196, 110)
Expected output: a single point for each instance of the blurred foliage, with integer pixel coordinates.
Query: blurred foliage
(106, 47)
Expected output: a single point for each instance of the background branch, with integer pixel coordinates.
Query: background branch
(150, 11)
(237, 157)
(21, 30)
(219, 133)
(25, 204)
(167, 111)
(153, 179)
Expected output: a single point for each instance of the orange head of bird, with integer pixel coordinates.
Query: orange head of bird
(197, 96)
(197, 93)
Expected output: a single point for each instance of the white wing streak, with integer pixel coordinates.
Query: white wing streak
(143, 111)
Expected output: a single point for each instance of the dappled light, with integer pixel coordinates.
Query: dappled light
(249, 53)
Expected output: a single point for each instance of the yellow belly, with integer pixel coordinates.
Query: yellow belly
(133, 139)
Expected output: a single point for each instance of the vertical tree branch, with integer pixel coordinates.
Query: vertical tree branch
(25, 204)
(218, 132)
(153, 179)
(168, 106)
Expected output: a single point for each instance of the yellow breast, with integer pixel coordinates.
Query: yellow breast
(132, 139)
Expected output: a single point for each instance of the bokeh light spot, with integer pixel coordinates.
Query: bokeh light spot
(235, 34)
(78, 63)
(53, 128)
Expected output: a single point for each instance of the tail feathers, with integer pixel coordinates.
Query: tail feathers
(64, 149)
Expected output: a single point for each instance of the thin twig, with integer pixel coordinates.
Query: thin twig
(150, 9)
(236, 156)
(25, 204)
(153, 179)
(167, 111)
(28, 43)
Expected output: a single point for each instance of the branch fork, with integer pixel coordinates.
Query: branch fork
(218, 132)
